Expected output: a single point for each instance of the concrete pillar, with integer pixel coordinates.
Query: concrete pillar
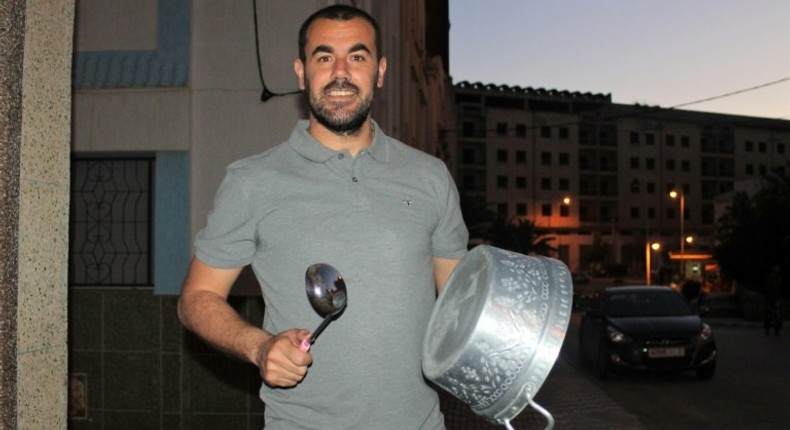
(35, 115)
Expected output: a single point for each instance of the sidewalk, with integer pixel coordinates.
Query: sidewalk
(568, 394)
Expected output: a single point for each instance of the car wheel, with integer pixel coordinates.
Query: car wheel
(707, 371)
(602, 367)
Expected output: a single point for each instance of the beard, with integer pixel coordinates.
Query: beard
(340, 119)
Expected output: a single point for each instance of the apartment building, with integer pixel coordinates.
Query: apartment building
(591, 173)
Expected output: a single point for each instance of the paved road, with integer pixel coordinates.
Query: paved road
(750, 391)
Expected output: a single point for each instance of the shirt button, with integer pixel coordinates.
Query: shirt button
(341, 156)
(355, 179)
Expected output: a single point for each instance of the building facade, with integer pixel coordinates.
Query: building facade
(591, 173)
(167, 93)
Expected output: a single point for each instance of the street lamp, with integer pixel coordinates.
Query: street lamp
(680, 196)
(564, 212)
(649, 247)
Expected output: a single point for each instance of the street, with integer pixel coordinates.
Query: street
(751, 390)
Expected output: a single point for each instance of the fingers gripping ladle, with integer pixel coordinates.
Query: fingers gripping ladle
(326, 291)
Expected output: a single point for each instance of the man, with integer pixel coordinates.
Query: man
(341, 192)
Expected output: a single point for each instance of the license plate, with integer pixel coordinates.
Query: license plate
(666, 352)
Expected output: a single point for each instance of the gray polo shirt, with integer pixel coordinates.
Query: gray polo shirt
(379, 218)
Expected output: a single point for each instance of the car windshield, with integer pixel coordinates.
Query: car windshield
(645, 303)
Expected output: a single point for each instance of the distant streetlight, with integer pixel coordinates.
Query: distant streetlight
(649, 247)
(675, 194)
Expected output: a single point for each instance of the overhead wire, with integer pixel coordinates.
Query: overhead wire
(745, 90)
(266, 93)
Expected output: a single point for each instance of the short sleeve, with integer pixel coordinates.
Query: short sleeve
(229, 237)
(451, 236)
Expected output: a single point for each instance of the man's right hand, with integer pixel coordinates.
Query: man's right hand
(281, 361)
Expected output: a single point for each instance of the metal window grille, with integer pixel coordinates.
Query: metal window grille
(110, 226)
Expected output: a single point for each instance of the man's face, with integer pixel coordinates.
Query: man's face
(340, 73)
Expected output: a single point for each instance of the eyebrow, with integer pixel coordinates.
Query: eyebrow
(329, 50)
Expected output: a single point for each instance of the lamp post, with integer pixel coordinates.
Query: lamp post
(649, 247)
(566, 203)
(682, 198)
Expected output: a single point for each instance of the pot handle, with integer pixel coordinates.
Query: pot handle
(541, 410)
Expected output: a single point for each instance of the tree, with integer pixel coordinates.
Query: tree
(754, 236)
(490, 227)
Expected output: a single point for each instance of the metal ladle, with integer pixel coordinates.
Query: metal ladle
(326, 291)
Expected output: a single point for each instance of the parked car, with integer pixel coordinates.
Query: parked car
(645, 328)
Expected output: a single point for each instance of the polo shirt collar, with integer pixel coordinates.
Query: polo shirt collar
(306, 145)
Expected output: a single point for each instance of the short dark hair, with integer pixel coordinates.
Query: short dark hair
(338, 12)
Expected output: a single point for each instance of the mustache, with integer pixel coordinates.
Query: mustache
(341, 85)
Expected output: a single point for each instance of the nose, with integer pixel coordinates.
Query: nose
(339, 69)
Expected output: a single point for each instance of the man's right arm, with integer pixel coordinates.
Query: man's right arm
(204, 310)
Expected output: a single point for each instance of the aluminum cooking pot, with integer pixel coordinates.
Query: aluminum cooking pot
(496, 330)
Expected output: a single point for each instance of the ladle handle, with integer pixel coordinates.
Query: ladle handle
(305, 346)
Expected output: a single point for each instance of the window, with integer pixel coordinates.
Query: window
(545, 131)
(501, 156)
(565, 211)
(634, 213)
(545, 209)
(501, 208)
(651, 213)
(521, 130)
(521, 209)
(670, 164)
(650, 163)
(564, 133)
(565, 159)
(780, 148)
(521, 182)
(761, 147)
(633, 138)
(521, 157)
(111, 222)
(750, 169)
(468, 156)
(545, 158)
(501, 129)
(650, 139)
(564, 184)
(685, 142)
(635, 186)
(501, 182)
(685, 165)
(670, 140)
(634, 162)
(545, 183)
(749, 146)
(651, 187)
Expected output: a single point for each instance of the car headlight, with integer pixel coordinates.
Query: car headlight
(706, 333)
(615, 335)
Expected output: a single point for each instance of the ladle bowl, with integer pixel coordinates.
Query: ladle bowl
(326, 291)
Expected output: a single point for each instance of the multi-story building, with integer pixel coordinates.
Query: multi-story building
(589, 172)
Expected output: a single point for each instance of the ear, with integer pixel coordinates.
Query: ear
(299, 70)
(382, 72)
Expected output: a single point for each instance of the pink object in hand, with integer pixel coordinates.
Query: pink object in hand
(305, 345)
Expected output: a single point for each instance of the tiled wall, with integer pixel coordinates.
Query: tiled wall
(143, 371)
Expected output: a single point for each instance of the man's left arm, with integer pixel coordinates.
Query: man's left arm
(442, 268)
